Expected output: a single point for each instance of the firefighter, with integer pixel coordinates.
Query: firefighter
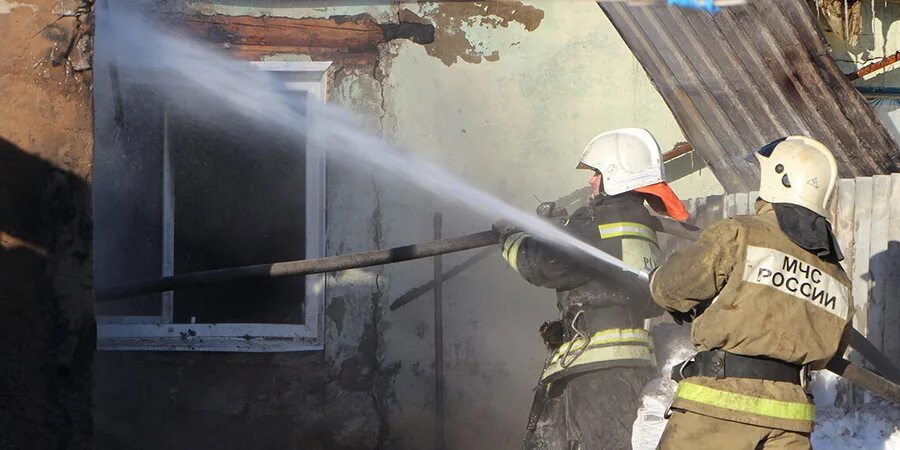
(600, 355)
(768, 302)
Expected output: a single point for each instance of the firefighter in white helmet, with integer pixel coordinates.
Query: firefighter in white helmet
(600, 355)
(768, 301)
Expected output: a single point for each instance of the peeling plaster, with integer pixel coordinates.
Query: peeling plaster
(456, 22)
(378, 72)
(71, 7)
(7, 7)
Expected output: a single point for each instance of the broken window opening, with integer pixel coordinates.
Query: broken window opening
(229, 192)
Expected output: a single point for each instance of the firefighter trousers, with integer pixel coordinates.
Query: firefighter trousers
(688, 430)
(590, 411)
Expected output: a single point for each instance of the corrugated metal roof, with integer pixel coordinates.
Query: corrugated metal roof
(740, 78)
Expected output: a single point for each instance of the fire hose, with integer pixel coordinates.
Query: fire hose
(298, 268)
(883, 384)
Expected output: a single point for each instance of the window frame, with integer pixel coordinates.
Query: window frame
(159, 333)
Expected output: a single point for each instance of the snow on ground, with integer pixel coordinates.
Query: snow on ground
(873, 426)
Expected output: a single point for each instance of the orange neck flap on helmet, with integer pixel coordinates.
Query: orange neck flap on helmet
(664, 201)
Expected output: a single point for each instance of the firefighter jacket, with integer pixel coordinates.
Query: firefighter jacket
(763, 296)
(601, 307)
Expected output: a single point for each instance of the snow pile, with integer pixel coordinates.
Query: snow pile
(873, 426)
(672, 345)
(650, 422)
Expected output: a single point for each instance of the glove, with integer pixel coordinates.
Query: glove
(553, 213)
(550, 210)
(504, 228)
(553, 334)
(682, 317)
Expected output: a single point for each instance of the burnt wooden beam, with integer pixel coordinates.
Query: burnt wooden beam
(344, 32)
(863, 71)
(344, 39)
(680, 149)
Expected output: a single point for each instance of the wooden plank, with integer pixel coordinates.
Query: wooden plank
(715, 209)
(731, 23)
(891, 281)
(844, 219)
(353, 41)
(730, 206)
(361, 33)
(702, 44)
(832, 207)
(691, 208)
(878, 263)
(672, 244)
(686, 108)
(740, 201)
(861, 229)
(843, 224)
(700, 218)
(659, 26)
(811, 77)
(752, 197)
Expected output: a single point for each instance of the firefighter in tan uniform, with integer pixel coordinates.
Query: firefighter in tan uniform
(768, 301)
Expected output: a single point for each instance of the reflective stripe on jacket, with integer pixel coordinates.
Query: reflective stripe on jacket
(620, 226)
(763, 296)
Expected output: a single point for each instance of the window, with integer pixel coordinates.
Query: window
(228, 193)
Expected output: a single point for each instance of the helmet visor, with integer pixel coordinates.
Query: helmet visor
(766, 150)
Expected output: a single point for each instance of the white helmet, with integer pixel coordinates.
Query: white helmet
(797, 170)
(628, 158)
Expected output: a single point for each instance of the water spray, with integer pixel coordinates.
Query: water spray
(189, 75)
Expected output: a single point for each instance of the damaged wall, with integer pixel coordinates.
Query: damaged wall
(46, 292)
(878, 37)
(506, 96)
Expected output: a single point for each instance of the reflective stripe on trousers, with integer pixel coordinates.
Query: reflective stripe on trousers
(610, 345)
(778, 409)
